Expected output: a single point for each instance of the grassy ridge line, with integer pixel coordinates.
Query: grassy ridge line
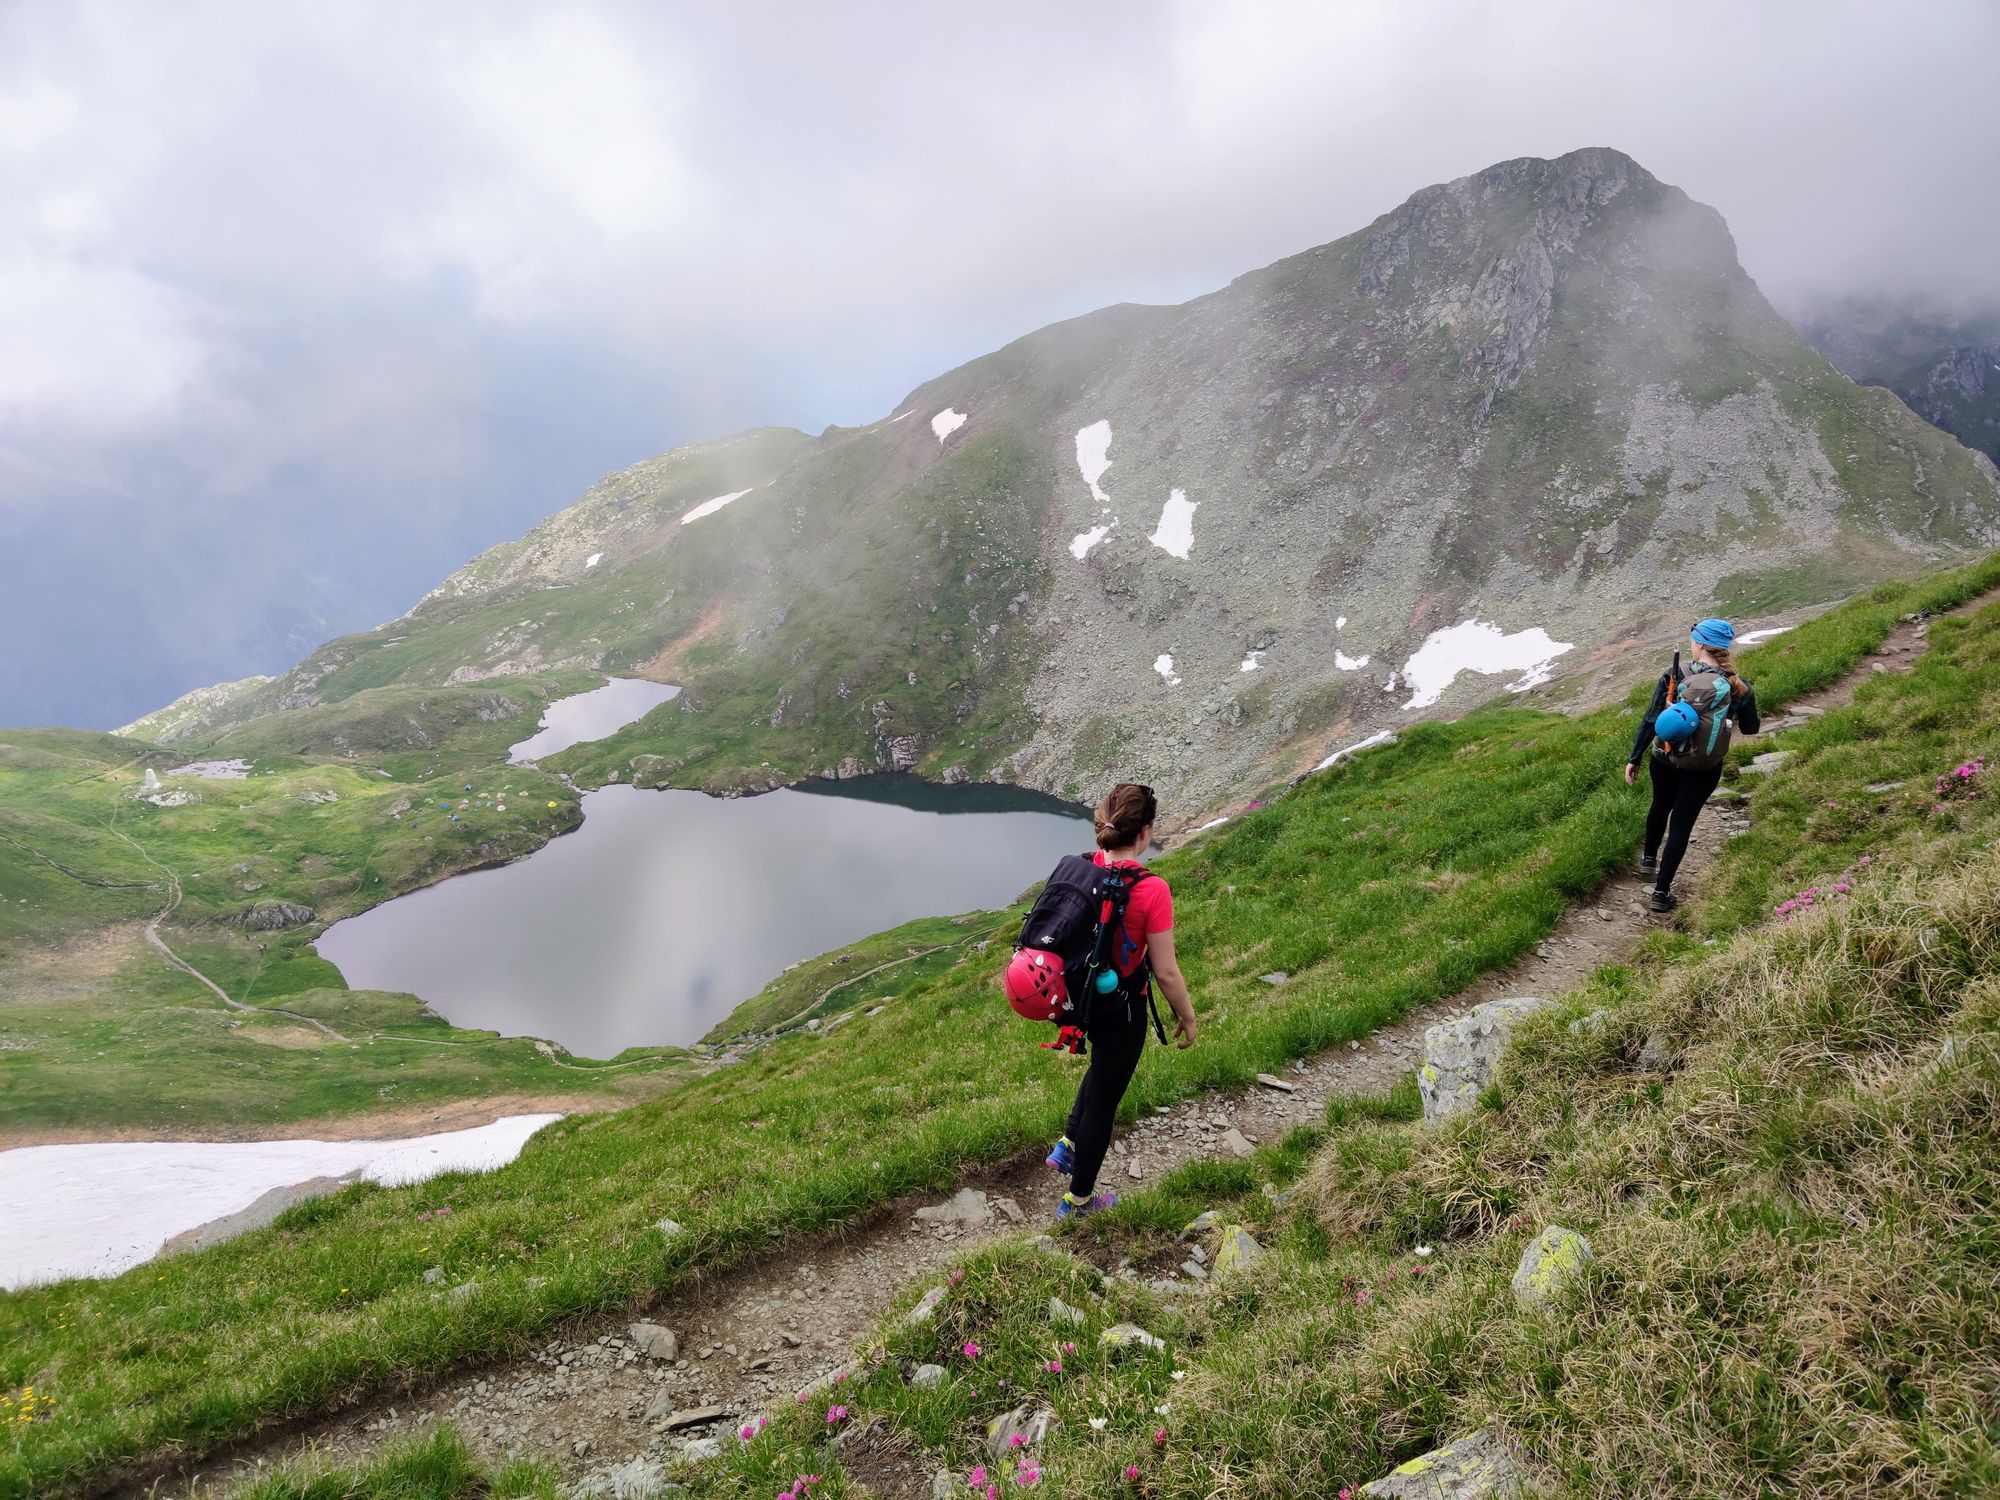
(1791, 1217)
(1397, 880)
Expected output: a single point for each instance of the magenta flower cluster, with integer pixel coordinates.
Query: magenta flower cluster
(800, 1488)
(1960, 784)
(1833, 890)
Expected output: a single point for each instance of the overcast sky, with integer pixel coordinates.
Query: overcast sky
(302, 304)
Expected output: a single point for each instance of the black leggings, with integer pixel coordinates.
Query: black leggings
(1117, 1037)
(1678, 796)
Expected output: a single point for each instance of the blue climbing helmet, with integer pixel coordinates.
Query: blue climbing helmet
(1677, 723)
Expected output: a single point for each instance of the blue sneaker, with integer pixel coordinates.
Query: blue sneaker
(1068, 1210)
(1062, 1157)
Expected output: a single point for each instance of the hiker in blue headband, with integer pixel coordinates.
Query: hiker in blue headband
(1686, 731)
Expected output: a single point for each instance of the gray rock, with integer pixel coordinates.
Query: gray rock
(668, 1227)
(1550, 1268)
(1765, 764)
(1656, 1055)
(1460, 1055)
(945, 1485)
(695, 1450)
(1236, 1143)
(1030, 1424)
(966, 1206)
(434, 1276)
(269, 916)
(641, 1478)
(1272, 1081)
(1239, 1250)
(1061, 1312)
(1275, 977)
(1201, 1224)
(926, 1307)
(928, 1377)
(1122, 1339)
(677, 1420)
(654, 1341)
(1473, 1468)
(265, 1208)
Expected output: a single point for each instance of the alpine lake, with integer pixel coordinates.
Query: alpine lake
(667, 909)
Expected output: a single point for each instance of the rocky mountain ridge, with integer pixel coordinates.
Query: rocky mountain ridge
(1521, 426)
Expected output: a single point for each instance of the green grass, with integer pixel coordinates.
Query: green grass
(1793, 1221)
(436, 1467)
(1385, 884)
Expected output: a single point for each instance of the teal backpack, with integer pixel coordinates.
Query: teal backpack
(1706, 691)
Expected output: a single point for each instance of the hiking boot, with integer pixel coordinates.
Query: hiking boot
(1663, 901)
(1648, 865)
(1066, 1210)
(1062, 1157)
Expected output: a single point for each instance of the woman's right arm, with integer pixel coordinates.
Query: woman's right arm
(1645, 734)
(1167, 969)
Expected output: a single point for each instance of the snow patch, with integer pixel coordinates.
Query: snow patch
(1341, 623)
(1213, 823)
(96, 1210)
(946, 422)
(1761, 635)
(1252, 662)
(1382, 737)
(1348, 663)
(1175, 533)
(710, 507)
(1093, 456)
(1477, 646)
(1164, 665)
(1083, 541)
(593, 560)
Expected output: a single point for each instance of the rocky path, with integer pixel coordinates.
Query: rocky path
(617, 1391)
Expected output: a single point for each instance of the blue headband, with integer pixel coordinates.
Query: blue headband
(1716, 633)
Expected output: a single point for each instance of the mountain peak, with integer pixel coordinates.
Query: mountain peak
(1454, 452)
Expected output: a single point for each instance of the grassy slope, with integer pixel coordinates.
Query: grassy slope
(103, 1033)
(1393, 881)
(1792, 1219)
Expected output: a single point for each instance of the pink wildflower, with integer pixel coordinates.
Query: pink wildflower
(971, 1350)
(835, 1415)
(1052, 1366)
(976, 1478)
(1027, 1475)
(1159, 1437)
(1068, 1348)
(1017, 1440)
(957, 1276)
(1131, 1471)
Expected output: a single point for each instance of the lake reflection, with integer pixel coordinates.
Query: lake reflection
(667, 909)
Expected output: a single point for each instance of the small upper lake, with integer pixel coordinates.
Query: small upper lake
(668, 909)
(591, 716)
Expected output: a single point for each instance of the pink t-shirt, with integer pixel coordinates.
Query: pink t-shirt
(1149, 909)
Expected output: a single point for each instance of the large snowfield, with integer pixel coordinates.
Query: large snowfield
(96, 1210)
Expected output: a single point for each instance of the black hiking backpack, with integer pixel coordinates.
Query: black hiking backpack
(1706, 691)
(1080, 917)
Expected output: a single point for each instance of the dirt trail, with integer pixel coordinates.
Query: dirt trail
(757, 1331)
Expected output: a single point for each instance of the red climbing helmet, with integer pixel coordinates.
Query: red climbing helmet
(1034, 984)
